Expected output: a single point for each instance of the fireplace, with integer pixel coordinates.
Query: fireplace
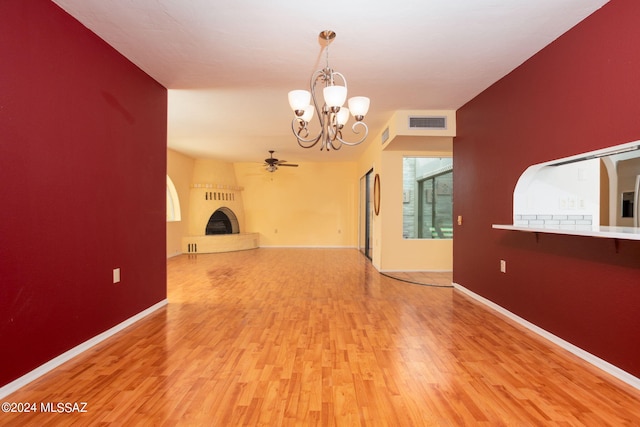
(222, 221)
(220, 231)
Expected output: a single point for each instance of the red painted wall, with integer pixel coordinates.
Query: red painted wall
(82, 185)
(580, 93)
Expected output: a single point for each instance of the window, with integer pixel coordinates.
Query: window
(173, 203)
(427, 198)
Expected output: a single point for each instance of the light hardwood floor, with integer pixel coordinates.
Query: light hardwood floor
(318, 337)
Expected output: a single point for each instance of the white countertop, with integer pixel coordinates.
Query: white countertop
(628, 233)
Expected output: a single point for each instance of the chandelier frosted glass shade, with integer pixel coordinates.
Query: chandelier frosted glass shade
(334, 96)
(359, 106)
(308, 113)
(332, 115)
(342, 117)
(299, 99)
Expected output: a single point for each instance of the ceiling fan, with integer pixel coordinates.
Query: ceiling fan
(272, 164)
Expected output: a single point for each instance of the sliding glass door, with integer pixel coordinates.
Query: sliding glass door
(366, 217)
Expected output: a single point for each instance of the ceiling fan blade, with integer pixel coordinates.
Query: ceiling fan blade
(288, 164)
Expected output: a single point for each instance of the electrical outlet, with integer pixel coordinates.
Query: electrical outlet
(503, 266)
(116, 275)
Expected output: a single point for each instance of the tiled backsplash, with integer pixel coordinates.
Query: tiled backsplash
(553, 220)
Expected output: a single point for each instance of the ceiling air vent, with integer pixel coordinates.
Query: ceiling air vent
(428, 122)
(385, 135)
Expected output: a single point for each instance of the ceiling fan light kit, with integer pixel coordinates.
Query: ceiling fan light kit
(332, 116)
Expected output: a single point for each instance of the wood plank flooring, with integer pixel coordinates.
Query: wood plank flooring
(299, 337)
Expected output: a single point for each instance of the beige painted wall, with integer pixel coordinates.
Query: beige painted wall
(313, 205)
(397, 253)
(180, 170)
(390, 251)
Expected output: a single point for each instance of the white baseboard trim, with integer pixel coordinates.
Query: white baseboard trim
(584, 355)
(305, 247)
(415, 271)
(75, 351)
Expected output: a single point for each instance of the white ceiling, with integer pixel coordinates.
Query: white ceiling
(228, 65)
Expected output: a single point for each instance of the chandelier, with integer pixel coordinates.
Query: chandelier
(331, 113)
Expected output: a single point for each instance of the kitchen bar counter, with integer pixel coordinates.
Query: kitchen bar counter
(627, 233)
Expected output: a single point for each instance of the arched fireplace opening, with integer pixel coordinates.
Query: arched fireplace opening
(223, 221)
